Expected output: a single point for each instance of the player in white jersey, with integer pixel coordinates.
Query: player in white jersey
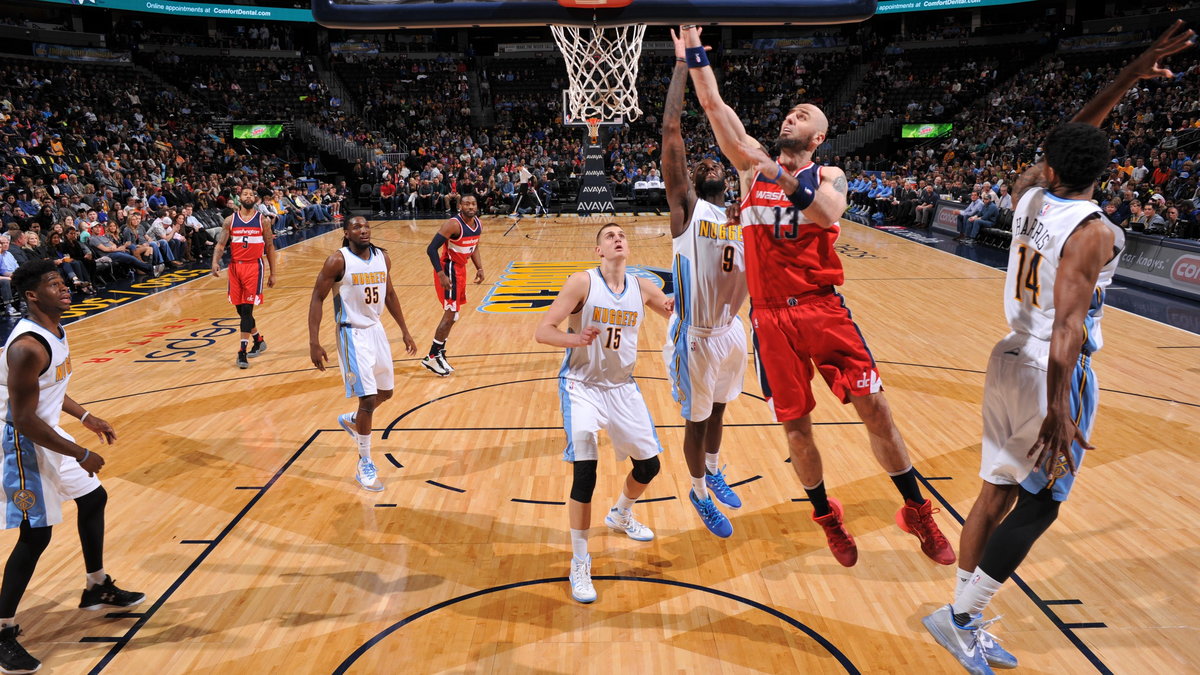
(706, 342)
(1040, 394)
(42, 465)
(359, 273)
(604, 310)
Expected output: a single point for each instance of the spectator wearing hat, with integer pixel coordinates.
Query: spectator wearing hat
(157, 201)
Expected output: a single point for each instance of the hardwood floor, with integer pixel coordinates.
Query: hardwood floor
(233, 503)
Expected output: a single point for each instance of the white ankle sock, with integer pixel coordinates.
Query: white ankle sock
(977, 594)
(712, 462)
(97, 577)
(364, 446)
(10, 621)
(699, 489)
(579, 544)
(624, 504)
(962, 578)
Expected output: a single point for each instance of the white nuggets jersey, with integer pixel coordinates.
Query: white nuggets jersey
(52, 383)
(609, 360)
(710, 268)
(1041, 225)
(360, 293)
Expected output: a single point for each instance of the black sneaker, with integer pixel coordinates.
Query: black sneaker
(108, 595)
(13, 657)
(242, 361)
(260, 346)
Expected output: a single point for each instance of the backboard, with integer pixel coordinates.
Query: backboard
(468, 13)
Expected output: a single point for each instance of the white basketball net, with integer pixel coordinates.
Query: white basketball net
(603, 67)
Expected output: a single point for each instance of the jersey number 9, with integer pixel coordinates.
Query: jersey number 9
(727, 259)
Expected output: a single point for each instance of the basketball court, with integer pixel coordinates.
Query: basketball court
(233, 502)
(234, 507)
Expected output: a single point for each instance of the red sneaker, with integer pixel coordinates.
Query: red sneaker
(917, 520)
(841, 543)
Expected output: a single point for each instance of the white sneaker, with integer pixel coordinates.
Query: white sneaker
(629, 525)
(346, 422)
(445, 364)
(581, 580)
(435, 364)
(367, 476)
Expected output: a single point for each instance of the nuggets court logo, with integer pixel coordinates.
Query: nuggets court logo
(24, 499)
(526, 287)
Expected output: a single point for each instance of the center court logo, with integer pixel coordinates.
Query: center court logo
(530, 287)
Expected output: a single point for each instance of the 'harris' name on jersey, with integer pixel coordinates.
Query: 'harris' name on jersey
(1034, 230)
(614, 317)
(719, 231)
(367, 278)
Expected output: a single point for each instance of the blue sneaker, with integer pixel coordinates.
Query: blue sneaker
(367, 476)
(724, 493)
(963, 643)
(346, 422)
(714, 520)
(997, 656)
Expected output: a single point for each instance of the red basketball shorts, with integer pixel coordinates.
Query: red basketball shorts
(455, 297)
(794, 336)
(246, 282)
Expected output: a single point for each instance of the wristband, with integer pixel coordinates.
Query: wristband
(679, 59)
(696, 57)
(86, 452)
(778, 175)
(803, 197)
(84, 416)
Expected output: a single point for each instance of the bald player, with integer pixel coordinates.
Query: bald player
(790, 212)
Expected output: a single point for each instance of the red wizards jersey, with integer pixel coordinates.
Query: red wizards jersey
(786, 253)
(246, 242)
(458, 251)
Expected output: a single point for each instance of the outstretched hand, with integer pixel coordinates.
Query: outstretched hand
(681, 44)
(1172, 41)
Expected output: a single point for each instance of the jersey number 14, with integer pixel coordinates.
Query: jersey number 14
(1027, 278)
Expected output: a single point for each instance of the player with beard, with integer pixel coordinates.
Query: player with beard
(790, 212)
(248, 233)
(706, 345)
(456, 242)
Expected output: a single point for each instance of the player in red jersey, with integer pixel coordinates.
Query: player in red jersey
(248, 233)
(790, 212)
(456, 242)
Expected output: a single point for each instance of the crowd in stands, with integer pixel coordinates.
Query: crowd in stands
(1155, 132)
(107, 184)
(505, 143)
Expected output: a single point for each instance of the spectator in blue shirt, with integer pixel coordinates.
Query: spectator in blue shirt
(8, 265)
(988, 214)
(157, 200)
(969, 215)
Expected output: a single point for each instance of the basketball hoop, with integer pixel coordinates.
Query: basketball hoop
(602, 65)
(594, 129)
